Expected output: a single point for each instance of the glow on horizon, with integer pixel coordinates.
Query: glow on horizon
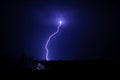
(52, 35)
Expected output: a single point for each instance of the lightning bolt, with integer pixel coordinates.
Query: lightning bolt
(51, 36)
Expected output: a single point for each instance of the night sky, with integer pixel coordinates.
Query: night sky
(89, 30)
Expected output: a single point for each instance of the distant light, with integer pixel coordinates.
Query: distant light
(40, 67)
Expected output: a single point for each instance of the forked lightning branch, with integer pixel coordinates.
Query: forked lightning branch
(49, 38)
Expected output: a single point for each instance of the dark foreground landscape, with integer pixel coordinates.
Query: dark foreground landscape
(58, 65)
